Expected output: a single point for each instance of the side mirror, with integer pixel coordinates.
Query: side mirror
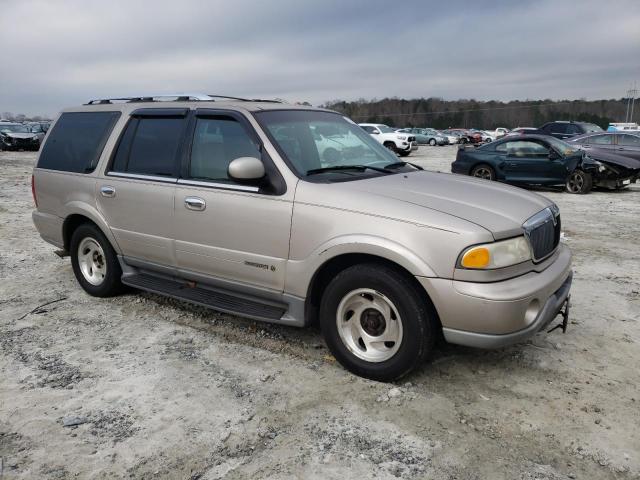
(246, 169)
(375, 132)
(553, 155)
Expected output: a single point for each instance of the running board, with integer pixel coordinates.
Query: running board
(207, 297)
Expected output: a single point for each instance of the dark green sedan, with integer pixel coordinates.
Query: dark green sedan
(544, 160)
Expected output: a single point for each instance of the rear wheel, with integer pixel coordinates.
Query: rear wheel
(483, 171)
(95, 263)
(579, 182)
(376, 322)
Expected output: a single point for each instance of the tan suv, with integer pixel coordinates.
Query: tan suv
(295, 215)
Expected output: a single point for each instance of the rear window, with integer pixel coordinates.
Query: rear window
(77, 140)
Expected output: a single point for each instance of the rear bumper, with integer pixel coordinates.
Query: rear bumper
(49, 227)
(491, 315)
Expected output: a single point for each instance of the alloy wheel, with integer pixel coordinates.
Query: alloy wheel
(91, 260)
(369, 325)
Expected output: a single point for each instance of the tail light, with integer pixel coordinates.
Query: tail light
(33, 190)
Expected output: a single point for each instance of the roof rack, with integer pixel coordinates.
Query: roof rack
(172, 97)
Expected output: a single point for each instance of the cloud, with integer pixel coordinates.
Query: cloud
(57, 54)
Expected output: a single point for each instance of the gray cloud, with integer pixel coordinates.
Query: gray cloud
(57, 54)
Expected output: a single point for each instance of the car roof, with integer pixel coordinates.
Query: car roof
(129, 105)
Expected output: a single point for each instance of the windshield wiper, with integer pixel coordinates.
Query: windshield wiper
(337, 168)
(403, 164)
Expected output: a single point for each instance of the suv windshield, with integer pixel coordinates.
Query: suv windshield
(325, 142)
(15, 128)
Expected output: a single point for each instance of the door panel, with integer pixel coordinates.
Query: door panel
(629, 146)
(238, 236)
(528, 162)
(140, 214)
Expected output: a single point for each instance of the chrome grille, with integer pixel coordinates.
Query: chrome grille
(543, 232)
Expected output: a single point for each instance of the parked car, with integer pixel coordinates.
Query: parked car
(471, 137)
(38, 128)
(625, 143)
(564, 129)
(486, 136)
(15, 136)
(500, 132)
(451, 138)
(400, 143)
(522, 131)
(229, 205)
(425, 137)
(544, 160)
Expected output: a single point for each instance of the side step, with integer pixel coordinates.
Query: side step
(207, 297)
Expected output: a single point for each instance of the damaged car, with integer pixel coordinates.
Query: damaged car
(15, 136)
(546, 161)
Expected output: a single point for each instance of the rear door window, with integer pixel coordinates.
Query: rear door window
(77, 140)
(150, 146)
(629, 140)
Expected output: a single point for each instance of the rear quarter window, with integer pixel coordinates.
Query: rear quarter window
(77, 140)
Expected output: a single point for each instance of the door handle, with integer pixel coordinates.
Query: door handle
(195, 203)
(107, 191)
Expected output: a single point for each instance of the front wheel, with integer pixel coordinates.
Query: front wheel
(95, 263)
(391, 146)
(432, 142)
(376, 323)
(579, 182)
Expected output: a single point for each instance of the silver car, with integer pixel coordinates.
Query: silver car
(229, 203)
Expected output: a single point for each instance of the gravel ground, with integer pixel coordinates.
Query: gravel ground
(144, 387)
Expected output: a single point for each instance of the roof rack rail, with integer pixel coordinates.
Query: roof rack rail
(168, 97)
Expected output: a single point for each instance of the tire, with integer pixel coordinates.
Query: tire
(464, 140)
(432, 142)
(391, 146)
(579, 182)
(373, 289)
(483, 171)
(95, 263)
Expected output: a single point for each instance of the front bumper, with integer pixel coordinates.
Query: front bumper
(492, 315)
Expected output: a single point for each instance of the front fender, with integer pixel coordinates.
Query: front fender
(301, 272)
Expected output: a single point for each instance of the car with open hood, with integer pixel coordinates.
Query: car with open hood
(547, 161)
(16, 136)
(234, 204)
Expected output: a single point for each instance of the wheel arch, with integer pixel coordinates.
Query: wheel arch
(333, 265)
(79, 214)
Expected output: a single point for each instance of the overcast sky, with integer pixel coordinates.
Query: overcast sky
(62, 53)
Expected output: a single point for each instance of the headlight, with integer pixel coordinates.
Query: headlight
(401, 137)
(496, 255)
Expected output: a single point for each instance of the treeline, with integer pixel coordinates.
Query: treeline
(438, 113)
(21, 117)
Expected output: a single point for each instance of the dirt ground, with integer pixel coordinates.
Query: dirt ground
(144, 387)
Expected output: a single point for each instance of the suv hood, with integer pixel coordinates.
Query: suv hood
(500, 209)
